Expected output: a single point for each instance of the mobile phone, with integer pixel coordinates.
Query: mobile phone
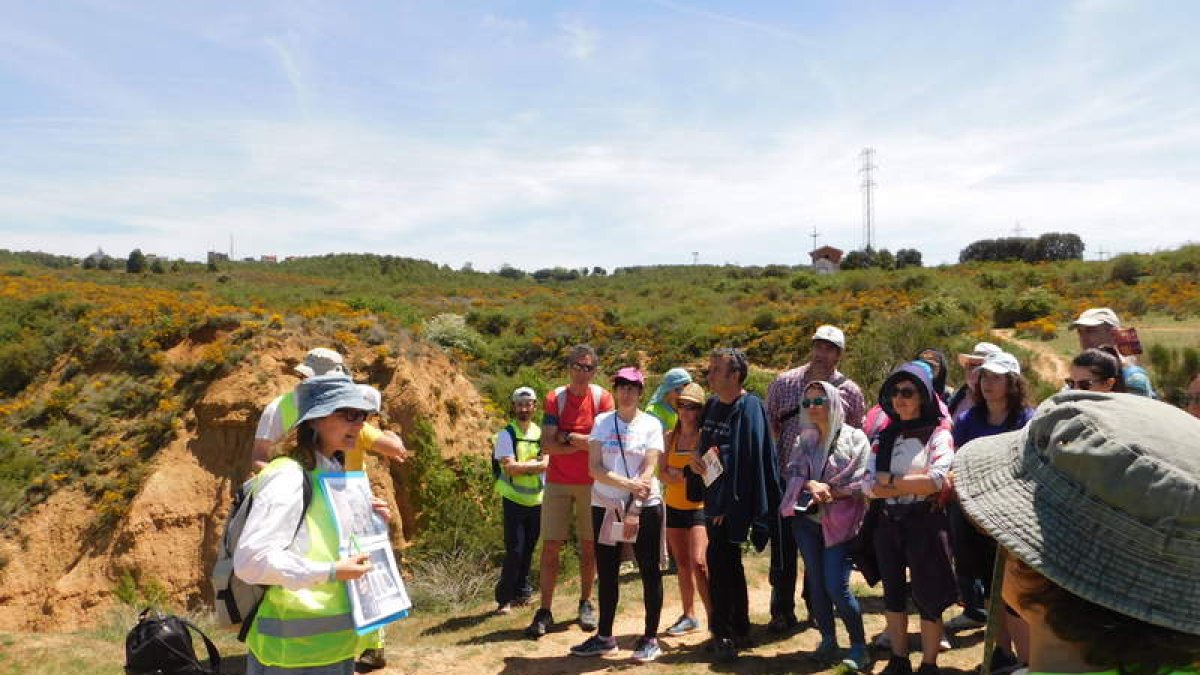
(1126, 341)
(805, 503)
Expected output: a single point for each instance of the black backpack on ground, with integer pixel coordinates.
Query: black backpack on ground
(162, 645)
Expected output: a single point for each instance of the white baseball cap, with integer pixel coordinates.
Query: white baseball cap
(524, 394)
(1097, 316)
(831, 334)
(1001, 363)
(978, 354)
(321, 361)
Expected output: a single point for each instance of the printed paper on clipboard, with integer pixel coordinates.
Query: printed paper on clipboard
(712, 466)
(379, 597)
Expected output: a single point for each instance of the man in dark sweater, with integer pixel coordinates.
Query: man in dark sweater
(741, 499)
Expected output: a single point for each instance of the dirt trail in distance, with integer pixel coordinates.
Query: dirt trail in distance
(1050, 365)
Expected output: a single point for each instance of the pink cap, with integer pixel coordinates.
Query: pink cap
(630, 374)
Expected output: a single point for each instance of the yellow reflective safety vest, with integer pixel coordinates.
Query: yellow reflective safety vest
(525, 489)
(311, 626)
(288, 410)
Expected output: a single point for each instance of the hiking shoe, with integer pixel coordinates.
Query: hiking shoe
(683, 626)
(587, 615)
(725, 650)
(647, 650)
(944, 645)
(928, 669)
(372, 659)
(897, 665)
(857, 659)
(1002, 663)
(782, 624)
(542, 620)
(503, 609)
(595, 646)
(963, 622)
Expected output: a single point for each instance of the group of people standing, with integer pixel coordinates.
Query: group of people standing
(811, 471)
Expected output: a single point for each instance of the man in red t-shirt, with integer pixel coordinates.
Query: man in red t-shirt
(566, 424)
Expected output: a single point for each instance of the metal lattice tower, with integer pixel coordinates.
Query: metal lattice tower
(868, 192)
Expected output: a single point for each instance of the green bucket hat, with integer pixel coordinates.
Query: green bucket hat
(1100, 493)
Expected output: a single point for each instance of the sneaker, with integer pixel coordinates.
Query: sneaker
(1002, 663)
(782, 624)
(963, 622)
(725, 649)
(944, 645)
(683, 626)
(883, 641)
(647, 650)
(595, 646)
(542, 620)
(897, 665)
(503, 609)
(587, 615)
(857, 659)
(928, 669)
(371, 659)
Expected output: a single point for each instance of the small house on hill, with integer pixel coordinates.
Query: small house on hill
(826, 260)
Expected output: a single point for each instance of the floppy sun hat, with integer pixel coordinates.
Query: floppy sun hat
(692, 393)
(1100, 494)
(320, 396)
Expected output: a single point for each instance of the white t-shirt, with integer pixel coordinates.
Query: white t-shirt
(643, 434)
(504, 445)
(270, 425)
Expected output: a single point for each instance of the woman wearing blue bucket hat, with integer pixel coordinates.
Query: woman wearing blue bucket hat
(304, 622)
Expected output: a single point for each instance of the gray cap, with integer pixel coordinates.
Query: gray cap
(320, 396)
(1100, 493)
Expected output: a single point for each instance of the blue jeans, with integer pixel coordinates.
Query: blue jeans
(827, 574)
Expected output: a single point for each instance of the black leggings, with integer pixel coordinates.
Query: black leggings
(608, 565)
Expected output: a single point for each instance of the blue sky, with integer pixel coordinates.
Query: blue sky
(594, 133)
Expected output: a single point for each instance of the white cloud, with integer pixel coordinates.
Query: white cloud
(579, 41)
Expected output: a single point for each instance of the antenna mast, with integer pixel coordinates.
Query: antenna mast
(868, 188)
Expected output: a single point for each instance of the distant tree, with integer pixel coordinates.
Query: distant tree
(1048, 247)
(212, 266)
(1057, 246)
(543, 274)
(136, 262)
(884, 260)
(1126, 269)
(157, 266)
(106, 263)
(89, 263)
(509, 272)
(856, 260)
(175, 266)
(908, 257)
(599, 272)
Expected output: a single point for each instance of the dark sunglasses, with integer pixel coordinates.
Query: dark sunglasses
(690, 406)
(351, 415)
(587, 368)
(818, 402)
(1082, 385)
(904, 392)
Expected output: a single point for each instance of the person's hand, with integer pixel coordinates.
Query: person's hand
(949, 484)
(640, 487)
(381, 509)
(821, 492)
(353, 567)
(402, 456)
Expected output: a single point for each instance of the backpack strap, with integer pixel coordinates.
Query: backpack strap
(307, 501)
(214, 656)
(560, 397)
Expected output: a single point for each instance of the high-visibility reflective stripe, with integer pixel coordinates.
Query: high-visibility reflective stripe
(294, 628)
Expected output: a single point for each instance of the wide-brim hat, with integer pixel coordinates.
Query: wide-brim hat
(320, 396)
(1100, 494)
(693, 393)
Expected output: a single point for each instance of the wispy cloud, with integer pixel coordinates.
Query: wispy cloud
(578, 39)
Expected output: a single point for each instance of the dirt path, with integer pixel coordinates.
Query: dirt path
(1050, 366)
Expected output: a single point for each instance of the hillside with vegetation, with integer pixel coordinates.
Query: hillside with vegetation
(128, 398)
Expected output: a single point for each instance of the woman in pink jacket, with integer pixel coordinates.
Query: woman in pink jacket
(824, 487)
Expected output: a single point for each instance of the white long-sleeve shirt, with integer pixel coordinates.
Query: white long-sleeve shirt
(266, 553)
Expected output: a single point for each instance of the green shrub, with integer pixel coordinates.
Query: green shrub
(1033, 303)
(452, 332)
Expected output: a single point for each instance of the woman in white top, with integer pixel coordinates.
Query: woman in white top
(623, 453)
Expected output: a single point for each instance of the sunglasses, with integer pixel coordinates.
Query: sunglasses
(1082, 385)
(818, 402)
(904, 392)
(690, 406)
(351, 415)
(585, 367)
